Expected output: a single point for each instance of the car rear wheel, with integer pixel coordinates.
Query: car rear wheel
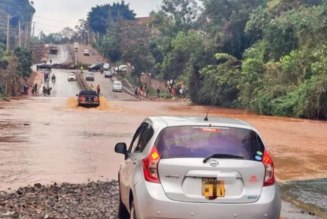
(122, 210)
(133, 212)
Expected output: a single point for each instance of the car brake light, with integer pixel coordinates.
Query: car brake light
(96, 99)
(150, 166)
(81, 98)
(269, 169)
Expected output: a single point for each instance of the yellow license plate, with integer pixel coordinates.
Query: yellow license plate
(212, 188)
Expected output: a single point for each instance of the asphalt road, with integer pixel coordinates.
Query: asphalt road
(106, 86)
(62, 56)
(94, 57)
(62, 87)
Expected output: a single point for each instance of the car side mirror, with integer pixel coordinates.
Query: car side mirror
(76, 95)
(121, 148)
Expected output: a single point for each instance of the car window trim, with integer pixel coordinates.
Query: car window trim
(135, 137)
(146, 125)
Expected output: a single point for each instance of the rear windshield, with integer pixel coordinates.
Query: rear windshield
(117, 83)
(87, 92)
(201, 142)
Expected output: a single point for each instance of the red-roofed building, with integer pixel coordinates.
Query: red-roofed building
(145, 22)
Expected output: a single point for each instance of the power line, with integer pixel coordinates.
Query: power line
(50, 25)
(56, 20)
(43, 30)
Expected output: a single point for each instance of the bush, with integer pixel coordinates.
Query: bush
(166, 96)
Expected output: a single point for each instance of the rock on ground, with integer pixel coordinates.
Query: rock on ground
(93, 200)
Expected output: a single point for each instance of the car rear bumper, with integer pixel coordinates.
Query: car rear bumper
(152, 202)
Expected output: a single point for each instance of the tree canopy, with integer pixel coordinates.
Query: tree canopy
(264, 56)
(98, 16)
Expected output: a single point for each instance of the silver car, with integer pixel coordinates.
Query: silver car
(117, 86)
(191, 167)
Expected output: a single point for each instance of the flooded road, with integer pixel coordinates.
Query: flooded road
(50, 139)
(62, 87)
(308, 192)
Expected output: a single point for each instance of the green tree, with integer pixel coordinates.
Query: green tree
(98, 17)
(220, 82)
(24, 58)
(183, 13)
(135, 49)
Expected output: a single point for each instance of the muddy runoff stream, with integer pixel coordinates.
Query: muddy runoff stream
(46, 140)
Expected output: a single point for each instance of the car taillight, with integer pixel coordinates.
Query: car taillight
(150, 166)
(81, 98)
(269, 169)
(96, 99)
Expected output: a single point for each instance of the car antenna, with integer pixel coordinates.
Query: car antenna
(206, 118)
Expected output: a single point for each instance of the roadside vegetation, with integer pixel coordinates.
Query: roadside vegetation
(266, 56)
(16, 63)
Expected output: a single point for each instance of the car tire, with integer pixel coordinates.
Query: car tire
(122, 210)
(133, 212)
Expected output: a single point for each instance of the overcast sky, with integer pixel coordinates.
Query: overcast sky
(54, 15)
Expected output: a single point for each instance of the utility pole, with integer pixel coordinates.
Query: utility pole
(19, 34)
(8, 35)
(33, 29)
(25, 33)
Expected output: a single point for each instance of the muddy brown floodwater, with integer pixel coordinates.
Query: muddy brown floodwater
(51, 139)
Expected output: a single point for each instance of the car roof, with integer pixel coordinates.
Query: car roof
(170, 121)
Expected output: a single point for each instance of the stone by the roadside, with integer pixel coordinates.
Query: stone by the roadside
(91, 200)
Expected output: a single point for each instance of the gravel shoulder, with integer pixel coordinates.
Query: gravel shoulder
(90, 200)
(98, 200)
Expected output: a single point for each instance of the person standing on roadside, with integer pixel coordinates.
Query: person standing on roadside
(25, 88)
(136, 91)
(98, 90)
(35, 88)
(91, 87)
(32, 88)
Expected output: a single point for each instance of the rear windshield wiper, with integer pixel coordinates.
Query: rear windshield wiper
(221, 156)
